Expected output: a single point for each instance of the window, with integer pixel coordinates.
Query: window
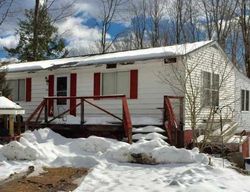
(116, 83)
(17, 87)
(244, 100)
(170, 60)
(111, 66)
(210, 89)
(61, 90)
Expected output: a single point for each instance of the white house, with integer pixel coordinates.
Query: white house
(199, 70)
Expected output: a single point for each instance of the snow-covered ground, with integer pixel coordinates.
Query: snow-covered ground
(111, 167)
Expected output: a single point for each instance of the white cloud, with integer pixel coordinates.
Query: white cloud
(10, 41)
(81, 38)
(88, 8)
(9, 60)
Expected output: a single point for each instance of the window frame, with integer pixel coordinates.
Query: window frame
(244, 100)
(19, 89)
(115, 73)
(207, 100)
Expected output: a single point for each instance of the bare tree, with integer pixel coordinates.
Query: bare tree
(192, 23)
(245, 29)
(109, 11)
(234, 40)
(59, 10)
(219, 16)
(177, 19)
(35, 23)
(156, 13)
(5, 6)
(138, 11)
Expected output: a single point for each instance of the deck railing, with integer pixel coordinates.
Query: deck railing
(46, 106)
(170, 123)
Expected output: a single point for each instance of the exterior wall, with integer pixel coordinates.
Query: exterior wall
(242, 117)
(151, 89)
(38, 89)
(210, 59)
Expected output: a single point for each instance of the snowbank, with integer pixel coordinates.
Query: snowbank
(46, 145)
(98, 144)
(154, 152)
(43, 147)
(16, 151)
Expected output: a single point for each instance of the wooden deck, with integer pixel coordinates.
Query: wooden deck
(119, 130)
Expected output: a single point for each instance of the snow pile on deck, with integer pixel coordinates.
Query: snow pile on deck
(149, 136)
(148, 129)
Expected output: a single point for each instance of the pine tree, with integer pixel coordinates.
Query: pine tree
(4, 89)
(48, 45)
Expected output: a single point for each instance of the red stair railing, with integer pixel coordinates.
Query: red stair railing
(169, 119)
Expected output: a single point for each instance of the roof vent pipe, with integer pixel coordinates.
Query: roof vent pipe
(1, 94)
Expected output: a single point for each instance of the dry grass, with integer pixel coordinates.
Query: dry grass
(52, 180)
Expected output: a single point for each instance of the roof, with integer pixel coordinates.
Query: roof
(9, 107)
(125, 56)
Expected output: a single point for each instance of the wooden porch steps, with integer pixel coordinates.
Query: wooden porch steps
(143, 131)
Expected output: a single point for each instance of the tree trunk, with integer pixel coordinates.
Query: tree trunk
(35, 35)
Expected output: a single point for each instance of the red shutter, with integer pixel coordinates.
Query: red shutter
(133, 84)
(51, 93)
(97, 84)
(73, 87)
(28, 89)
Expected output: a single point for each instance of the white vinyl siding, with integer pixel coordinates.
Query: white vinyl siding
(17, 87)
(116, 83)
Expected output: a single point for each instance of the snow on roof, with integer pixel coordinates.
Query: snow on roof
(40, 65)
(141, 54)
(9, 107)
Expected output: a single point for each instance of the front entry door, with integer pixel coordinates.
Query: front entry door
(61, 90)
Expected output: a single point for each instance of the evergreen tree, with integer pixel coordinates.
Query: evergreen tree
(4, 89)
(48, 45)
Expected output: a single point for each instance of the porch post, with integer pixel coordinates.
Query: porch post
(46, 111)
(11, 125)
(82, 112)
